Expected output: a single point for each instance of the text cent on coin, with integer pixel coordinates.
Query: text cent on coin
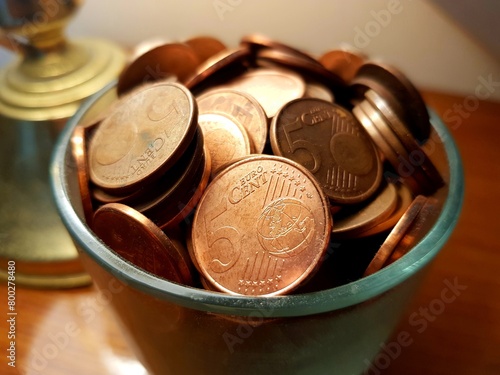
(143, 137)
(262, 227)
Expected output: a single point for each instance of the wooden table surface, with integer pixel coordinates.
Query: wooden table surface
(464, 338)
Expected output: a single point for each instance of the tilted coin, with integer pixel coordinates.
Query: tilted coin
(164, 185)
(218, 69)
(342, 62)
(261, 227)
(396, 88)
(420, 226)
(395, 236)
(225, 139)
(135, 238)
(241, 107)
(417, 157)
(205, 47)
(272, 88)
(257, 42)
(79, 152)
(330, 142)
(404, 200)
(164, 61)
(391, 147)
(145, 135)
(352, 221)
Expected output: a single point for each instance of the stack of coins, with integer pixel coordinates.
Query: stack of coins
(260, 169)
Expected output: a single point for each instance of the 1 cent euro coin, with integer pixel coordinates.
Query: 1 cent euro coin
(261, 228)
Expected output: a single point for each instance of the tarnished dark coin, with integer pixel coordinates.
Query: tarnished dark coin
(397, 89)
(165, 61)
(330, 142)
(391, 147)
(135, 238)
(416, 155)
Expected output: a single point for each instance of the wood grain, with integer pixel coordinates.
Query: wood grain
(75, 332)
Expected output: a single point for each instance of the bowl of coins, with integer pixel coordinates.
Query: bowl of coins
(257, 209)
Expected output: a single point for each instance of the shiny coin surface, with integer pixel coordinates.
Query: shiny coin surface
(352, 221)
(240, 107)
(308, 70)
(164, 61)
(135, 238)
(79, 152)
(261, 227)
(143, 137)
(225, 139)
(318, 91)
(330, 142)
(272, 88)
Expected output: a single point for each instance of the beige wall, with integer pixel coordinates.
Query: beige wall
(413, 35)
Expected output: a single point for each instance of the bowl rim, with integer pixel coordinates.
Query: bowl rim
(279, 306)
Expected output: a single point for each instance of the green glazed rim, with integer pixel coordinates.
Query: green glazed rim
(281, 306)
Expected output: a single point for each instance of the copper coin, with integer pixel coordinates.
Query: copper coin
(412, 109)
(135, 238)
(328, 141)
(173, 59)
(225, 139)
(352, 221)
(79, 152)
(420, 226)
(344, 63)
(145, 192)
(318, 91)
(146, 45)
(404, 200)
(257, 42)
(381, 136)
(417, 156)
(205, 46)
(181, 206)
(218, 69)
(313, 71)
(143, 137)
(170, 185)
(262, 227)
(272, 88)
(241, 108)
(395, 236)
